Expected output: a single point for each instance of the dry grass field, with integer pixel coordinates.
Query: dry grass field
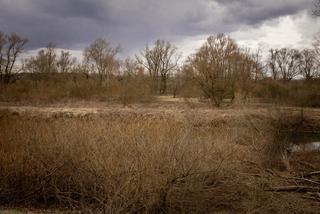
(195, 121)
(172, 156)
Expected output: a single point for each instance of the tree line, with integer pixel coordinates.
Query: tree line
(219, 67)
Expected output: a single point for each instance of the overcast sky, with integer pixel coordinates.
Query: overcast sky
(73, 24)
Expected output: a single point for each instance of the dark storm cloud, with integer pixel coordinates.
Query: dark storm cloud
(72, 8)
(132, 23)
(44, 21)
(255, 11)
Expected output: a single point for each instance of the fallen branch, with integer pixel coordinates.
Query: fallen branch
(307, 180)
(300, 179)
(311, 174)
(294, 189)
(314, 194)
(308, 164)
(311, 198)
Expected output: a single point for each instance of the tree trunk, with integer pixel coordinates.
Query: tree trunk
(7, 78)
(163, 84)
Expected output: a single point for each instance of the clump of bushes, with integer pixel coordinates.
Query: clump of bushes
(75, 87)
(295, 93)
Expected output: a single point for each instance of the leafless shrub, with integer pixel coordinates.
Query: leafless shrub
(151, 167)
(294, 93)
(160, 163)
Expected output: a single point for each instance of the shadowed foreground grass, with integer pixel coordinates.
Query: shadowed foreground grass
(140, 163)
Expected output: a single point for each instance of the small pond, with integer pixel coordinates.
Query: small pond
(305, 147)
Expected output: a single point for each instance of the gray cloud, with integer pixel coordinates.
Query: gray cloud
(133, 23)
(254, 11)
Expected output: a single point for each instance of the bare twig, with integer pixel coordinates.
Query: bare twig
(294, 189)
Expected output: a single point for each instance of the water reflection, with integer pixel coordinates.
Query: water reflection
(314, 146)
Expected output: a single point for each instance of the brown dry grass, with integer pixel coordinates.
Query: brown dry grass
(138, 162)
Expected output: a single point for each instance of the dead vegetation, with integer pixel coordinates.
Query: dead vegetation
(169, 162)
(128, 150)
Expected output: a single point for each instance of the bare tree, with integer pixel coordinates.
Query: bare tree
(101, 56)
(246, 69)
(257, 66)
(221, 68)
(213, 66)
(65, 62)
(37, 64)
(288, 63)
(3, 41)
(159, 61)
(44, 62)
(284, 63)
(51, 58)
(272, 63)
(130, 67)
(126, 80)
(316, 48)
(316, 44)
(10, 48)
(308, 64)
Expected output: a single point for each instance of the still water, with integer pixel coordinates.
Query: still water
(314, 146)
